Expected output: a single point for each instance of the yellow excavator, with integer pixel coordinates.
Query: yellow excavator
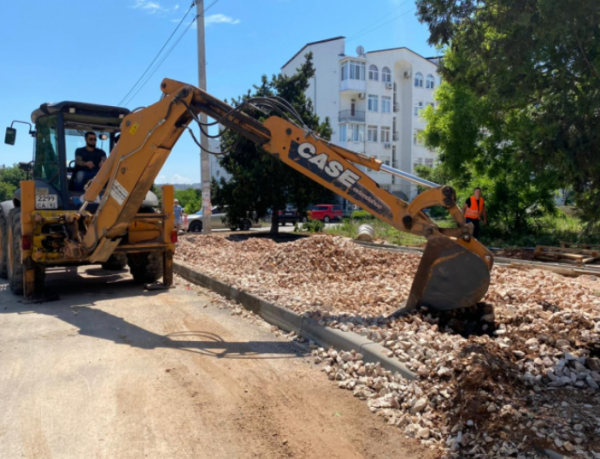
(116, 219)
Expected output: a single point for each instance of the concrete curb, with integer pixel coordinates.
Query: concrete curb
(301, 325)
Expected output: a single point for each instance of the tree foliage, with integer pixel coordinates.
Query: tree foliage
(260, 182)
(10, 177)
(521, 92)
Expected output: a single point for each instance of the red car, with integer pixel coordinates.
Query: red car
(326, 212)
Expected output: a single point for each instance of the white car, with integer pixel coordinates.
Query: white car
(217, 220)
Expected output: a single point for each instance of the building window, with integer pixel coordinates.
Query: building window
(353, 70)
(429, 162)
(417, 136)
(373, 103)
(387, 163)
(386, 104)
(372, 134)
(343, 132)
(418, 108)
(373, 73)
(418, 162)
(385, 134)
(418, 80)
(386, 75)
(430, 82)
(356, 133)
(431, 104)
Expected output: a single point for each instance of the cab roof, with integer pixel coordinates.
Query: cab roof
(82, 109)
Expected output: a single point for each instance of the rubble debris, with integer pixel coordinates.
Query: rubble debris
(512, 376)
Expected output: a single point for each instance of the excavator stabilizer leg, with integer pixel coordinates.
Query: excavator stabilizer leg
(449, 276)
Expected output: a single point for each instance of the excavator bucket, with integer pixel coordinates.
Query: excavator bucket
(450, 276)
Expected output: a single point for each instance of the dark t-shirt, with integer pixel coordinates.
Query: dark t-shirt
(95, 156)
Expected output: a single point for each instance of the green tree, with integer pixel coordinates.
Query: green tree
(10, 177)
(190, 199)
(259, 180)
(480, 148)
(531, 70)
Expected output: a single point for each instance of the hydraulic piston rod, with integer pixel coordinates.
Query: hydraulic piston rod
(409, 177)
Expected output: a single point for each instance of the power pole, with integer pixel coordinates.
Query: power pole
(204, 158)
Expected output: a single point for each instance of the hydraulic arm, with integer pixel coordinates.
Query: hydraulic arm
(454, 271)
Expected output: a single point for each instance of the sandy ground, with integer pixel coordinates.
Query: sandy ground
(110, 371)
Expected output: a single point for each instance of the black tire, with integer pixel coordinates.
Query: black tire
(145, 267)
(15, 266)
(326, 219)
(3, 246)
(245, 225)
(195, 227)
(115, 262)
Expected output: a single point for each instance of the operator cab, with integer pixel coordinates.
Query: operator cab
(59, 131)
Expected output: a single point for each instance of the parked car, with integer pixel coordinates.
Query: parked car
(217, 220)
(291, 215)
(326, 212)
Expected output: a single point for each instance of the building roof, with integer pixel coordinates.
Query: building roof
(310, 44)
(430, 59)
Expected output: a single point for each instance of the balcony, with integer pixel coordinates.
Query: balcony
(355, 116)
(353, 85)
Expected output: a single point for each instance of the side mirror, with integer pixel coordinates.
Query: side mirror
(10, 136)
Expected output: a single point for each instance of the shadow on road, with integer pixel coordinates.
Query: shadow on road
(76, 306)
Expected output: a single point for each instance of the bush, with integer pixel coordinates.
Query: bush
(312, 226)
(361, 215)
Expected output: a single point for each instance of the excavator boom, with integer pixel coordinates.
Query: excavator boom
(454, 271)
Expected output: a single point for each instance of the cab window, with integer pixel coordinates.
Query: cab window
(46, 165)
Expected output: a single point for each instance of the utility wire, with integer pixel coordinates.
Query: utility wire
(380, 19)
(127, 100)
(160, 62)
(157, 54)
(380, 26)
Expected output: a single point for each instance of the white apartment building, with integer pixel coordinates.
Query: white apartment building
(373, 101)
(216, 170)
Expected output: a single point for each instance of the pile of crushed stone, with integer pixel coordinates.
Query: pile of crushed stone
(511, 377)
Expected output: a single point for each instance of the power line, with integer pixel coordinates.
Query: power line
(158, 54)
(380, 19)
(127, 99)
(380, 26)
(161, 61)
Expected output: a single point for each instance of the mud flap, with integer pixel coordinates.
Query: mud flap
(449, 277)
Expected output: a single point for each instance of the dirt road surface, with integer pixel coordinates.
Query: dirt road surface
(110, 371)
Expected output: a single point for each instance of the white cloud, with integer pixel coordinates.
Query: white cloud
(176, 178)
(147, 5)
(220, 19)
(161, 179)
(152, 7)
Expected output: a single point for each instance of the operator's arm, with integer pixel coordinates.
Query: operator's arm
(81, 163)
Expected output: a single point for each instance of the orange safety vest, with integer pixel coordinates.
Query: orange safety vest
(475, 210)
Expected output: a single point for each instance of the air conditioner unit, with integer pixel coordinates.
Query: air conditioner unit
(407, 74)
(361, 95)
(389, 86)
(387, 145)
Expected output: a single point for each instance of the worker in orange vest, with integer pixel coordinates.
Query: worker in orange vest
(474, 211)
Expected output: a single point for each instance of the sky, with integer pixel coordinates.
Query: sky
(95, 51)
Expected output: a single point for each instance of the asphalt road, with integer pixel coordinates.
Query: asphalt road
(110, 371)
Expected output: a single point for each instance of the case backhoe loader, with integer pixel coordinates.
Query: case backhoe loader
(115, 221)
